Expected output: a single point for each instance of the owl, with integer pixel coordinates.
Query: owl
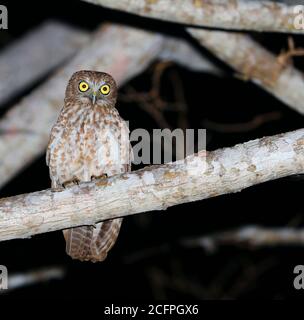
(89, 140)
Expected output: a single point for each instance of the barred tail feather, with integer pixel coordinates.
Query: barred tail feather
(92, 243)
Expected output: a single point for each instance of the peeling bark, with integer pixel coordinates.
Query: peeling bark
(154, 188)
(220, 14)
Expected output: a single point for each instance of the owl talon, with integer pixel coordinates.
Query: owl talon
(103, 176)
(70, 183)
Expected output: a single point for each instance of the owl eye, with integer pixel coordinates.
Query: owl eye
(83, 86)
(105, 89)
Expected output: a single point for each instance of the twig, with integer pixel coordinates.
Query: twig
(180, 101)
(149, 103)
(247, 277)
(161, 282)
(285, 57)
(154, 188)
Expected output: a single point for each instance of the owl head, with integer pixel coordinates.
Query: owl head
(92, 87)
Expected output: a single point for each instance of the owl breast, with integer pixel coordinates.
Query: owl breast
(93, 144)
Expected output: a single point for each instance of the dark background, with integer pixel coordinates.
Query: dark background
(148, 262)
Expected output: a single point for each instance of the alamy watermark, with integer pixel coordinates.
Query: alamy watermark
(298, 281)
(159, 147)
(3, 17)
(3, 277)
(299, 17)
(166, 145)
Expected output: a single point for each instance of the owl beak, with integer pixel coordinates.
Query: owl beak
(94, 97)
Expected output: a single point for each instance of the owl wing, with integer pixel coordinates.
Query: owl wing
(126, 147)
(54, 133)
(47, 156)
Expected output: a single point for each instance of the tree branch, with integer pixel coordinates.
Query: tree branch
(21, 280)
(255, 63)
(253, 236)
(220, 14)
(154, 188)
(181, 52)
(35, 54)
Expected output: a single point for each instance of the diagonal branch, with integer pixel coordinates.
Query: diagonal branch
(38, 52)
(255, 63)
(220, 14)
(154, 188)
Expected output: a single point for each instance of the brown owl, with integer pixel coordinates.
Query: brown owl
(88, 141)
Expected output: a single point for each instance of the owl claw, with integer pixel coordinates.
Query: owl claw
(70, 183)
(103, 176)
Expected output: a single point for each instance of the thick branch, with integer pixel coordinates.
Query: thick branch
(154, 188)
(255, 63)
(223, 14)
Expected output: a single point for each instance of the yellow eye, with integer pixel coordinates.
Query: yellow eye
(105, 89)
(83, 86)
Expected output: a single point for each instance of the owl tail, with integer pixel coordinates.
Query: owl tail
(92, 243)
